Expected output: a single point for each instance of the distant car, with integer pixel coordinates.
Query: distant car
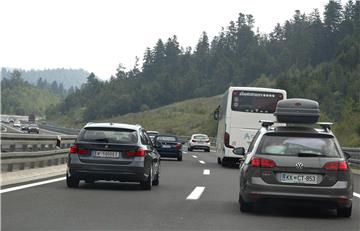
(152, 134)
(17, 124)
(168, 146)
(113, 151)
(24, 127)
(33, 128)
(295, 163)
(199, 141)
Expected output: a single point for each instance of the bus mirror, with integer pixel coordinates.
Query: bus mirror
(216, 113)
(240, 151)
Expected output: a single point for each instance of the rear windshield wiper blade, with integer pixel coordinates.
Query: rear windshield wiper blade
(309, 154)
(105, 140)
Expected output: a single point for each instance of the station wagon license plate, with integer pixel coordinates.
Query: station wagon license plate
(107, 154)
(166, 146)
(295, 178)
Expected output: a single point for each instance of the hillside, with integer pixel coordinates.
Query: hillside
(67, 77)
(21, 98)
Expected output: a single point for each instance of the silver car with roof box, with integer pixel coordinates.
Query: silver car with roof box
(113, 151)
(293, 160)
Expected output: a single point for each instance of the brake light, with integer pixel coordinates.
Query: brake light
(336, 166)
(140, 152)
(178, 146)
(262, 162)
(227, 140)
(75, 150)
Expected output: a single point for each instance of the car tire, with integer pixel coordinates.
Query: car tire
(207, 150)
(218, 160)
(156, 179)
(71, 181)
(179, 158)
(245, 206)
(147, 184)
(190, 149)
(344, 212)
(224, 162)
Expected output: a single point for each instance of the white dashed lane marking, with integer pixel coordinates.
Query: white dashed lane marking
(356, 195)
(194, 156)
(196, 193)
(202, 162)
(206, 172)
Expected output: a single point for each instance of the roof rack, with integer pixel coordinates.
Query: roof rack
(266, 123)
(325, 125)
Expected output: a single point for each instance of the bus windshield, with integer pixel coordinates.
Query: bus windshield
(253, 101)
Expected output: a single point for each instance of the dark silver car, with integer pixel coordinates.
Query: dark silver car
(295, 163)
(112, 151)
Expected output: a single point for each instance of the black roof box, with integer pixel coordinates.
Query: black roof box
(297, 111)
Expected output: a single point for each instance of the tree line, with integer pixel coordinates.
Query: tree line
(308, 55)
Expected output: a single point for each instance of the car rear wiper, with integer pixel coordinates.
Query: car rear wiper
(309, 154)
(105, 140)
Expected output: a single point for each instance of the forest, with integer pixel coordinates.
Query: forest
(310, 55)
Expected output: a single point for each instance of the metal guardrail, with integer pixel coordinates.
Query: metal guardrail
(15, 161)
(11, 142)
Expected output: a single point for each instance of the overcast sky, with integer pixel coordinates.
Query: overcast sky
(97, 35)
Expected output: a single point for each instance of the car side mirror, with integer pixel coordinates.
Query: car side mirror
(347, 155)
(240, 151)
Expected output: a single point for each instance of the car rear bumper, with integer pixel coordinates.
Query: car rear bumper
(169, 153)
(200, 146)
(338, 195)
(134, 172)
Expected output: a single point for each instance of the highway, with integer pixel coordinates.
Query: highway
(178, 203)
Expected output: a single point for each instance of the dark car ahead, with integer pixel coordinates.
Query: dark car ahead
(33, 128)
(296, 163)
(168, 146)
(112, 151)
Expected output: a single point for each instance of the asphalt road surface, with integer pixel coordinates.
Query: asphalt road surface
(195, 194)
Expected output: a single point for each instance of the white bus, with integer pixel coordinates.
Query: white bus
(238, 118)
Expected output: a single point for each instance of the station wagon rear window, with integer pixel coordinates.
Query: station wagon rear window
(306, 146)
(108, 135)
(256, 102)
(166, 138)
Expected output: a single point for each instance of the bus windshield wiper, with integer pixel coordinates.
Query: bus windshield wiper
(309, 154)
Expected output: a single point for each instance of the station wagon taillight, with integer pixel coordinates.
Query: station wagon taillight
(75, 150)
(262, 162)
(178, 146)
(140, 152)
(336, 166)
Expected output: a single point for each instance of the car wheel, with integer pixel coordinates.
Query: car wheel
(245, 206)
(179, 158)
(71, 181)
(218, 160)
(156, 179)
(190, 149)
(147, 184)
(344, 212)
(224, 162)
(207, 150)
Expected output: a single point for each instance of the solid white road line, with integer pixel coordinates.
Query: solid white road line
(194, 156)
(31, 185)
(356, 194)
(196, 193)
(206, 172)
(202, 162)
